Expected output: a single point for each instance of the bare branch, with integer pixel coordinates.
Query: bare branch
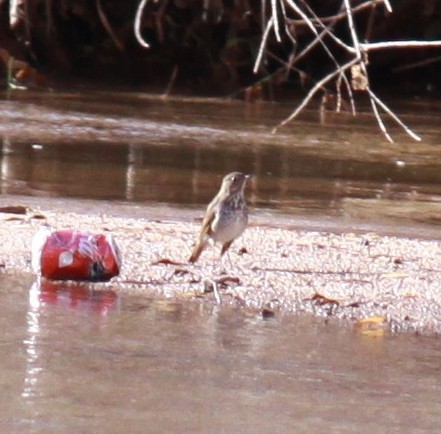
(352, 28)
(305, 18)
(361, 7)
(370, 46)
(326, 30)
(358, 63)
(313, 91)
(394, 116)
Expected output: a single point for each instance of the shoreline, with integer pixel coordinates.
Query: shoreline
(380, 282)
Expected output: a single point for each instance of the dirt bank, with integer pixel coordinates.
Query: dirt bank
(348, 276)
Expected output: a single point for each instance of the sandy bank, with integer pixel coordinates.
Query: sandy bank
(349, 276)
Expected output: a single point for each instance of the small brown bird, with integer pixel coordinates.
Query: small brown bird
(226, 216)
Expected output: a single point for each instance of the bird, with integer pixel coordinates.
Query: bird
(226, 216)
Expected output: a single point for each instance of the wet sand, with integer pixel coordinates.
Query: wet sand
(376, 282)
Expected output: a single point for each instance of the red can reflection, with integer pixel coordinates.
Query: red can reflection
(77, 296)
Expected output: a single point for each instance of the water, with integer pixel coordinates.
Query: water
(129, 147)
(76, 360)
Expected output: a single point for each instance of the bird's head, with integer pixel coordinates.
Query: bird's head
(234, 182)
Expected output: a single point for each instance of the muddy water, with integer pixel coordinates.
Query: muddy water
(131, 147)
(75, 360)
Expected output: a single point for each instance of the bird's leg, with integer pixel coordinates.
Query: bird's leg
(225, 247)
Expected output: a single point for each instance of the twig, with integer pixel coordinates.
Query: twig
(14, 12)
(350, 95)
(363, 69)
(276, 20)
(262, 45)
(305, 18)
(374, 99)
(394, 116)
(49, 23)
(358, 52)
(342, 76)
(327, 31)
(352, 29)
(216, 293)
(287, 65)
(379, 119)
(337, 87)
(158, 20)
(417, 64)
(338, 16)
(108, 27)
(137, 24)
(262, 14)
(370, 22)
(313, 91)
(171, 81)
(387, 5)
(370, 46)
(285, 20)
(313, 43)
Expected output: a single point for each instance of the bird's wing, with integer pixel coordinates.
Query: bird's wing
(210, 215)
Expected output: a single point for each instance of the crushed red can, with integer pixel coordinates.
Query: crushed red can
(75, 255)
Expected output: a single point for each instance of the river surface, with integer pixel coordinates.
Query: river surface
(73, 359)
(130, 147)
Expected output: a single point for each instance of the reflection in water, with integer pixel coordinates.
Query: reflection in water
(192, 367)
(31, 344)
(79, 297)
(186, 174)
(179, 153)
